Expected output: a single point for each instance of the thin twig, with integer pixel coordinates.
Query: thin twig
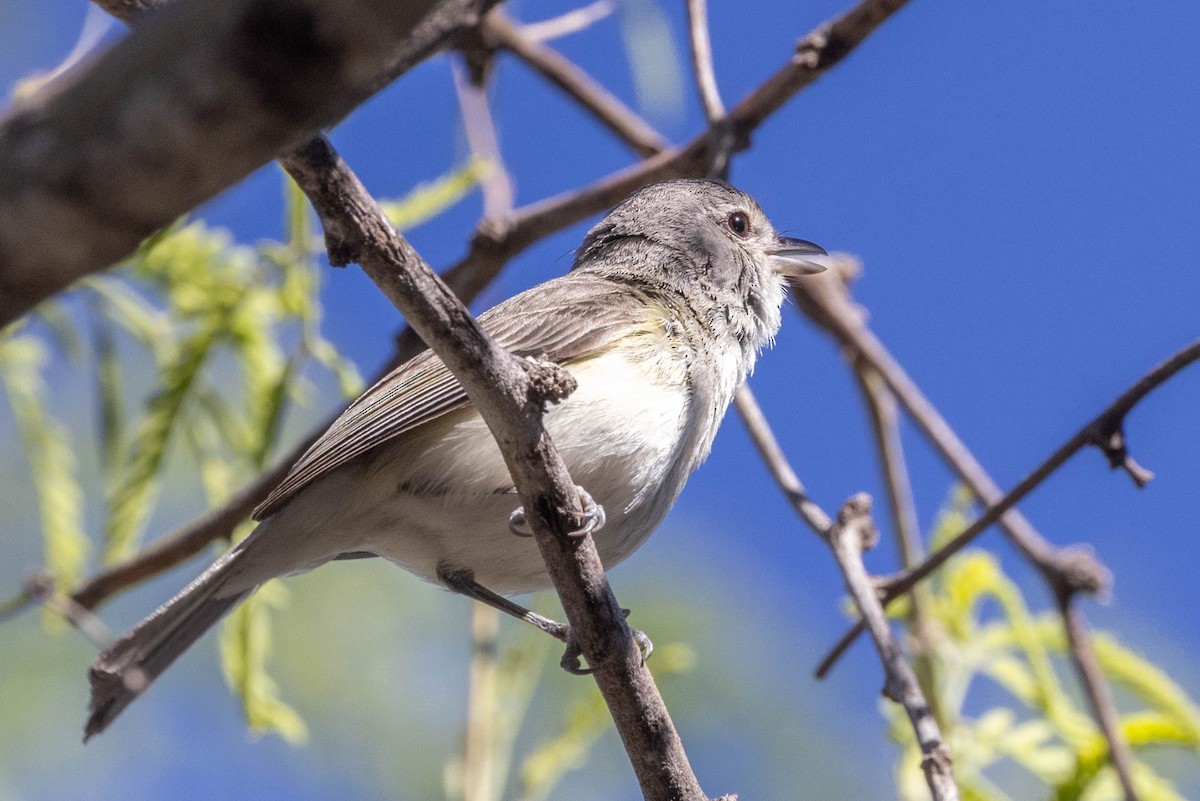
(721, 139)
(702, 61)
(481, 138)
(885, 423)
(601, 103)
(853, 533)
(1083, 655)
(39, 589)
(847, 537)
(568, 23)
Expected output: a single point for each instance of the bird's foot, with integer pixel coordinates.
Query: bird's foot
(593, 517)
(571, 658)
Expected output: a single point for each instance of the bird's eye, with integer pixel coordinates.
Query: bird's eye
(739, 223)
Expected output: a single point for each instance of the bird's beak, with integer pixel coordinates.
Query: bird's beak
(793, 257)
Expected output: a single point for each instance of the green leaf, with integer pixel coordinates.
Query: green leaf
(245, 645)
(110, 394)
(51, 458)
(350, 381)
(136, 488)
(264, 369)
(430, 199)
(584, 723)
(124, 307)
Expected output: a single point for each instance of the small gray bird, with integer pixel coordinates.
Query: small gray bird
(669, 301)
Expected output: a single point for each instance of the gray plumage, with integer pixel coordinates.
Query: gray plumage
(670, 299)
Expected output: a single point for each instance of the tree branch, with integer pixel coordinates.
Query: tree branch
(193, 100)
(510, 394)
(602, 104)
(885, 423)
(853, 533)
(848, 535)
(1072, 575)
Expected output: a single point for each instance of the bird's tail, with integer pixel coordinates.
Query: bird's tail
(126, 669)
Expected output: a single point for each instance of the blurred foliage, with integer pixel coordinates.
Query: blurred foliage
(427, 200)
(52, 463)
(221, 333)
(584, 720)
(982, 631)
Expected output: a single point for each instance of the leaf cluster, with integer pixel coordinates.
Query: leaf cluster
(982, 640)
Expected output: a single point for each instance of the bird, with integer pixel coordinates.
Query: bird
(669, 300)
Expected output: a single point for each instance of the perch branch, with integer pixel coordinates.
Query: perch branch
(510, 394)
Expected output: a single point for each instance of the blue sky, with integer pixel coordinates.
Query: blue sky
(1022, 182)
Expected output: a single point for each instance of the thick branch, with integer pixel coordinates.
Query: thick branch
(194, 99)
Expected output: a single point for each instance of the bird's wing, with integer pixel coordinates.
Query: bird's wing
(560, 321)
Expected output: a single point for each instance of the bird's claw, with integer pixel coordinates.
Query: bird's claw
(571, 662)
(518, 524)
(593, 517)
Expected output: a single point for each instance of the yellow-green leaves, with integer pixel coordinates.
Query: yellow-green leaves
(430, 199)
(988, 636)
(51, 458)
(245, 645)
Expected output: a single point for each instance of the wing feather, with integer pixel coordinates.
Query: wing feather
(564, 319)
